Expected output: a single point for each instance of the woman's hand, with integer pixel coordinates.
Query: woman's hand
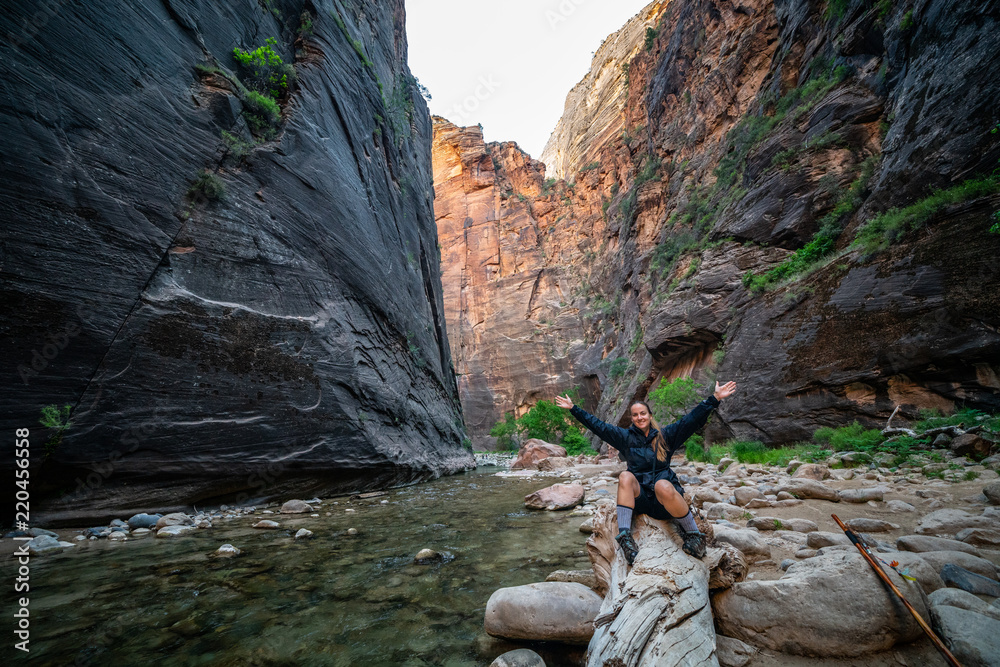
(725, 390)
(564, 401)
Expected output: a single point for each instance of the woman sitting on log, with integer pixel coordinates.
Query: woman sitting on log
(649, 486)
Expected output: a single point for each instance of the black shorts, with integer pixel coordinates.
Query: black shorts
(646, 502)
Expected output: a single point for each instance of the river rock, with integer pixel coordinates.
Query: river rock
(546, 611)
(174, 530)
(521, 657)
(723, 511)
(555, 497)
(819, 539)
(973, 638)
(861, 495)
(174, 519)
(808, 489)
(303, 534)
(352, 531)
(139, 532)
(43, 544)
(980, 537)
(915, 566)
(97, 532)
(870, 525)
(959, 577)
(267, 524)
(921, 543)
(956, 597)
(760, 503)
(117, 536)
(585, 577)
(533, 451)
(814, 471)
(899, 506)
(227, 551)
(704, 495)
(295, 507)
(732, 652)
(815, 609)
(555, 463)
(745, 494)
(970, 444)
(748, 542)
(992, 492)
(975, 564)
(951, 521)
(772, 523)
(587, 527)
(426, 556)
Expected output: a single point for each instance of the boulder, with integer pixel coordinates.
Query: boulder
(143, 520)
(723, 511)
(871, 525)
(533, 451)
(555, 497)
(521, 657)
(973, 638)
(704, 495)
(980, 537)
(971, 445)
(759, 503)
(951, 521)
(816, 471)
(913, 565)
(555, 463)
(748, 542)
(958, 577)
(921, 543)
(732, 652)
(174, 530)
(992, 492)
(295, 507)
(174, 519)
(899, 506)
(546, 611)
(745, 494)
(808, 489)
(980, 566)
(815, 609)
(793, 465)
(819, 539)
(861, 495)
(43, 544)
(956, 597)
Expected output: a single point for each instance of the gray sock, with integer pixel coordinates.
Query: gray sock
(624, 518)
(687, 523)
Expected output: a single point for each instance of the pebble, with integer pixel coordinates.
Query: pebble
(785, 564)
(352, 531)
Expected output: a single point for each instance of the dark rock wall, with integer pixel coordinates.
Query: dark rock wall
(286, 337)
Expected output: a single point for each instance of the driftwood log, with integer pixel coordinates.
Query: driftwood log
(658, 612)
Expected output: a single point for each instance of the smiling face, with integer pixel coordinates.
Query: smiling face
(640, 417)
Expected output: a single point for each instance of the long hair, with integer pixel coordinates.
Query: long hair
(659, 444)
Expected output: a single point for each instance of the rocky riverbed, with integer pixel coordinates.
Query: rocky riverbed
(806, 597)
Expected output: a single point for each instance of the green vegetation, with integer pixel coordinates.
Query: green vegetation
(824, 241)
(835, 9)
(907, 22)
(207, 186)
(593, 165)
(884, 7)
(995, 229)
(650, 38)
(848, 438)
(305, 25)
(671, 400)
(467, 443)
(237, 147)
(619, 368)
(263, 69)
(547, 186)
(56, 418)
(881, 231)
(545, 421)
(262, 114)
(359, 48)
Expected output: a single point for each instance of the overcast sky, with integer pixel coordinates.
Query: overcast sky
(508, 65)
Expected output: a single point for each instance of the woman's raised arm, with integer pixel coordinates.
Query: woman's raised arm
(613, 435)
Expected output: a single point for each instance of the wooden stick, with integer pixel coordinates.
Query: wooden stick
(884, 577)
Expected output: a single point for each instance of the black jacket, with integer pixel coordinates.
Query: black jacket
(638, 448)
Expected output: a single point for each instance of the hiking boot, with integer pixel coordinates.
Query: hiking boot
(628, 546)
(694, 543)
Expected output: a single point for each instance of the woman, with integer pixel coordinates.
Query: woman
(649, 486)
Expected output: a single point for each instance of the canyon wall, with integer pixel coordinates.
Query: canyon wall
(771, 211)
(229, 317)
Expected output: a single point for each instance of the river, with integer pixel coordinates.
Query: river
(334, 599)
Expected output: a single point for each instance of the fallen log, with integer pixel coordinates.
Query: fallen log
(658, 612)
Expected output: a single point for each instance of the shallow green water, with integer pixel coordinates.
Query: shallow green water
(332, 600)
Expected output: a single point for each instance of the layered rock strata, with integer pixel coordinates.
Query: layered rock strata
(227, 317)
(773, 135)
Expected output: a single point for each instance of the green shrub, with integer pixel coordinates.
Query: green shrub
(262, 114)
(835, 9)
(504, 431)
(591, 166)
(56, 418)
(879, 232)
(671, 400)
(995, 229)
(207, 186)
(575, 443)
(846, 438)
(907, 22)
(263, 70)
(619, 367)
(650, 38)
(236, 146)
